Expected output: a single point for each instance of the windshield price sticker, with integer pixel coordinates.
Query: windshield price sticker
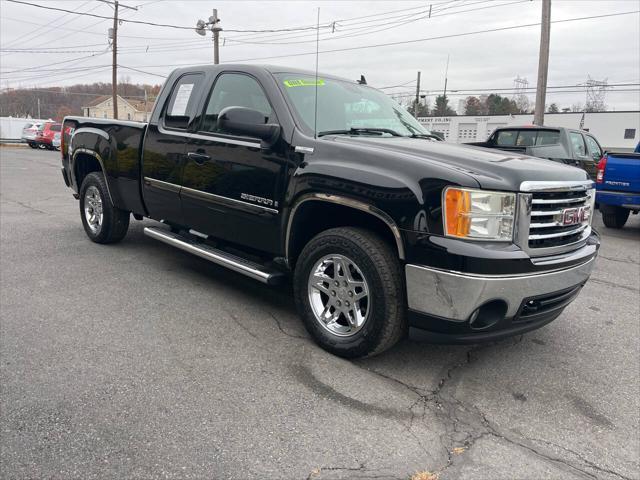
(303, 83)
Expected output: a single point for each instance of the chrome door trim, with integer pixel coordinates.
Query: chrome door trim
(230, 141)
(169, 187)
(100, 161)
(209, 138)
(212, 197)
(347, 202)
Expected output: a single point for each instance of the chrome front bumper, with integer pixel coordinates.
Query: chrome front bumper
(456, 296)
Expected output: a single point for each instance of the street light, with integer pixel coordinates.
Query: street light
(212, 26)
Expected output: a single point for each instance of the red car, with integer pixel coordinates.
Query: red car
(46, 133)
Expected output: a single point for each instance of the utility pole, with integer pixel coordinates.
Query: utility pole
(446, 77)
(38, 109)
(113, 36)
(417, 102)
(212, 25)
(216, 37)
(114, 66)
(543, 63)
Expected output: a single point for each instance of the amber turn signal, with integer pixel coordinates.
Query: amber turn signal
(457, 211)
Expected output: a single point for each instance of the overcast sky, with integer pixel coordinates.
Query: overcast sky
(604, 48)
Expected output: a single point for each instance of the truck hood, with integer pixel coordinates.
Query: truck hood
(493, 169)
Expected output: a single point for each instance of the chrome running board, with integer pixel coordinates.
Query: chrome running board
(219, 257)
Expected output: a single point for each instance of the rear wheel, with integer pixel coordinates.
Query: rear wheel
(349, 292)
(614, 217)
(103, 223)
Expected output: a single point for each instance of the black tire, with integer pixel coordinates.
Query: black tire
(115, 222)
(33, 145)
(386, 322)
(614, 217)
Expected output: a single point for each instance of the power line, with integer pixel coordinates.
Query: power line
(55, 63)
(141, 71)
(420, 40)
(153, 24)
(66, 92)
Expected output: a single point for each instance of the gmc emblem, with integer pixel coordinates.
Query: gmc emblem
(572, 216)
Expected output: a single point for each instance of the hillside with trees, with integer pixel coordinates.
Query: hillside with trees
(56, 102)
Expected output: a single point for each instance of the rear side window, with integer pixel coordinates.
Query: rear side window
(55, 128)
(180, 108)
(577, 144)
(595, 151)
(506, 138)
(548, 137)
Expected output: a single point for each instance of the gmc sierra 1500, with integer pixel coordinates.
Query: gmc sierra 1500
(275, 171)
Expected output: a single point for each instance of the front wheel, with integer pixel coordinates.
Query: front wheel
(349, 292)
(614, 217)
(103, 222)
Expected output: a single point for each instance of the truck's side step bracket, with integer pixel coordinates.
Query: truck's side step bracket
(202, 250)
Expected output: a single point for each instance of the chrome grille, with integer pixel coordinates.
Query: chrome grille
(551, 207)
(548, 226)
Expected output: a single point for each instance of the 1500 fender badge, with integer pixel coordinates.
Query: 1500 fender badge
(261, 200)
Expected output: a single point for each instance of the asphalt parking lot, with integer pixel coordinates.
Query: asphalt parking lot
(140, 361)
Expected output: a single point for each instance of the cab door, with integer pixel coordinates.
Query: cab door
(231, 185)
(163, 153)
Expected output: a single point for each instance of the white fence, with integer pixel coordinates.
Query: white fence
(614, 130)
(11, 127)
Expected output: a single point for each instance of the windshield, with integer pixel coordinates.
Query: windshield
(343, 106)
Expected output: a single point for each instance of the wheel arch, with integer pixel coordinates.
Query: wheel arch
(84, 162)
(329, 211)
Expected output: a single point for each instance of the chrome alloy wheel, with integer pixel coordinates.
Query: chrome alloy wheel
(93, 208)
(339, 295)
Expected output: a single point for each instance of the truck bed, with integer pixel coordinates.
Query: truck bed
(119, 147)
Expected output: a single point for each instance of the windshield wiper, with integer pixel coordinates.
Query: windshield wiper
(425, 135)
(359, 130)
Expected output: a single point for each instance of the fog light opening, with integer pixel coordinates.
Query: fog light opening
(488, 315)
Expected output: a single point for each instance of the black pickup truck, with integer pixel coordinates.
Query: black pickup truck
(565, 145)
(276, 172)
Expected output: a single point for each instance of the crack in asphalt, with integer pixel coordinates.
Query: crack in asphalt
(360, 468)
(279, 325)
(614, 284)
(25, 205)
(467, 424)
(621, 260)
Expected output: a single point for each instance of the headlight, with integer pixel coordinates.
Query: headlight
(478, 214)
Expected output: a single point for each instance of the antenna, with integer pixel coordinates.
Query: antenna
(315, 107)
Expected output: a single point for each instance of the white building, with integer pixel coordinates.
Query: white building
(614, 130)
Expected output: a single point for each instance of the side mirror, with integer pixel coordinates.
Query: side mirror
(248, 123)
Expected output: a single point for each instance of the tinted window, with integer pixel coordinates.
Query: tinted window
(181, 105)
(55, 128)
(594, 149)
(629, 133)
(526, 138)
(506, 138)
(577, 144)
(548, 137)
(41, 127)
(235, 90)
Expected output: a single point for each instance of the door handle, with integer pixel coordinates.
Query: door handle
(199, 158)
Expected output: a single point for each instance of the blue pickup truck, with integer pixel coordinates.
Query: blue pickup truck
(618, 187)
